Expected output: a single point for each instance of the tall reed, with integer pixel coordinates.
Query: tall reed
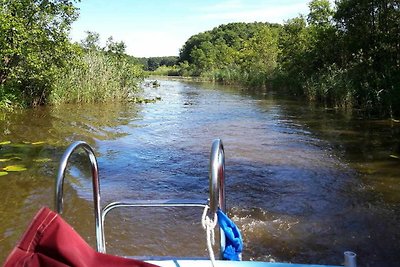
(97, 77)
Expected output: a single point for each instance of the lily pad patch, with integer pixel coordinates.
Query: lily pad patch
(5, 142)
(15, 168)
(8, 159)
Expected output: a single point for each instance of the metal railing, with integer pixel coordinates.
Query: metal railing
(59, 201)
(216, 200)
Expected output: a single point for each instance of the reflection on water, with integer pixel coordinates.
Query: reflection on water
(303, 183)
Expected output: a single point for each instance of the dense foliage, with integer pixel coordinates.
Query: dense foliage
(34, 47)
(39, 64)
(153, 63)
(236, 52)
(370, 36)
(343, 56)
(99, 74)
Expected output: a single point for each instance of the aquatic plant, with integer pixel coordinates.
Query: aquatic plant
(15, 168)
(100, 78)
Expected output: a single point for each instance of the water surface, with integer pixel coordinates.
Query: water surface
(304, 184)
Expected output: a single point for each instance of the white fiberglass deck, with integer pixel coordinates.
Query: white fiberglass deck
(207, 263)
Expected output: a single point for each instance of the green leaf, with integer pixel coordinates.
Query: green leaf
(3, 173)
(12, 158)
(394, 156)
(5, 142)
(15, 168)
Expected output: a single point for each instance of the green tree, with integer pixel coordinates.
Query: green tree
(152, 64)
(259, 56)
(168, 61)
(91, 41)
(321, 13)
(292, 59)
(371, 36)
(192, 43)
(34, 46)
(342, 56)
(117, 48)
(322, 34)
(204, 57)
(224, 52)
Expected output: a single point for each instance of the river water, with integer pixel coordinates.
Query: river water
(303, 183)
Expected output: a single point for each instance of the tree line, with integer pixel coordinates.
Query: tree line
(40, 65)
(345, 56)
(99, 73)
(153, 63)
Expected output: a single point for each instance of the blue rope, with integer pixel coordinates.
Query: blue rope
(233, 238)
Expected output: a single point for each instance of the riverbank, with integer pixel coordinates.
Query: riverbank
(326, 57)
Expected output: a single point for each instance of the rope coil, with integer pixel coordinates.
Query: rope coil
(209, 225)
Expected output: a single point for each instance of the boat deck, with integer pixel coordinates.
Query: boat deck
(207, 263)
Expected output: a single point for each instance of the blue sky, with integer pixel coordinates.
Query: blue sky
(161, 27)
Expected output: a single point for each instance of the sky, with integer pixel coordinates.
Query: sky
(152, 28)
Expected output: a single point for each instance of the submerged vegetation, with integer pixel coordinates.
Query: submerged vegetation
(16, 161)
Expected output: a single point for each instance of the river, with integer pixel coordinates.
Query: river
(303, 183)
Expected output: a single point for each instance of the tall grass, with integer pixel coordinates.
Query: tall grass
(235, 74)
(330, 86)
(97, 77)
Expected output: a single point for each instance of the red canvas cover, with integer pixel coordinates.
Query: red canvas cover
(50, 241)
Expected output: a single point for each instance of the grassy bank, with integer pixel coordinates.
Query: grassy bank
(98, 77)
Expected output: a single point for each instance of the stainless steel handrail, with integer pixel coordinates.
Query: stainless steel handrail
(152, 203)
(95, 183)
(149, 203)
(217, 176)
(217, 192)
(217, 184)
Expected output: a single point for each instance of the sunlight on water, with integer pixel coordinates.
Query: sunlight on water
(304, 184)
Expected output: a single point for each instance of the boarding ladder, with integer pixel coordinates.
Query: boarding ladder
(216, 191)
